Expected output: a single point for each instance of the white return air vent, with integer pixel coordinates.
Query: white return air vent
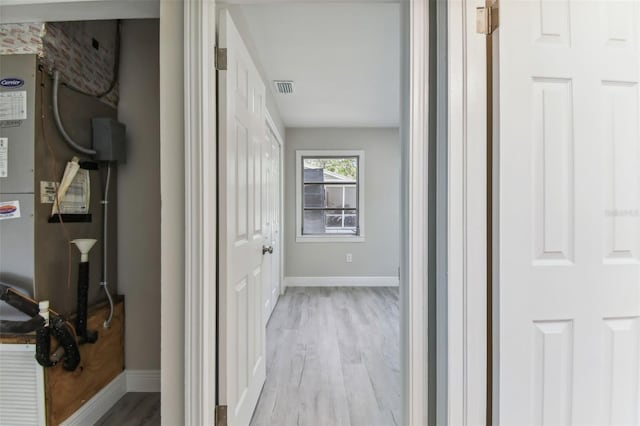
(284, 86)
(21, 386)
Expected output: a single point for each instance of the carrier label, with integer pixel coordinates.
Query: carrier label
(11, 83)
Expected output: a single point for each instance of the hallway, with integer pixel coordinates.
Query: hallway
(332, 358)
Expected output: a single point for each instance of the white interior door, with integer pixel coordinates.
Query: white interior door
(569, 213)
(241, 109)
(268, 225)
(277, 250)
(272, 222)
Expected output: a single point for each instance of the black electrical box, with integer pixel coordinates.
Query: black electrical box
(109, 140)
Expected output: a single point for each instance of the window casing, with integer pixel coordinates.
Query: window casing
(329, 196)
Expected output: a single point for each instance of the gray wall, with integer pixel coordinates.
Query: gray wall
(379, 255)
(139, 193)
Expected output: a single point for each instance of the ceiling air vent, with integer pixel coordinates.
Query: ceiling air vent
(284, 86)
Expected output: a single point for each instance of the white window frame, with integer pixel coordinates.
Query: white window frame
(330, 238)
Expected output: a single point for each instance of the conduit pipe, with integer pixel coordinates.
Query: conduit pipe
(105, 257)
(56, 116)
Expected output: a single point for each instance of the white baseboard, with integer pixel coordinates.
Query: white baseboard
(390, 281)
(97, 406)
(143, 380)
(127, 381)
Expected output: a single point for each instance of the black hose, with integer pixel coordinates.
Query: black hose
(83, 299)
(43, 347)
(22, 327)
(58, 328)
(62, 331)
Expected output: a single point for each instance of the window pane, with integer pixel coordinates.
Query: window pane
(313, 174)
(350, 220)
(340, 221)
(314, 196)
(330, 222)
(333, 196)
(313, 222)
(330, 195)
(332, 169)
(350, 197)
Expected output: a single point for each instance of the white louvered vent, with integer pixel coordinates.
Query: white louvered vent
(284, 86)
(21, 386)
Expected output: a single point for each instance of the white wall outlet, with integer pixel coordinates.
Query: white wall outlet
(349, 258)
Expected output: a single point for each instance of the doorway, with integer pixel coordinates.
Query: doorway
(201, 208)
(331, 350)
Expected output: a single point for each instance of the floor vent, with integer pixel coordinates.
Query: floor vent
(21, 386)
(283, 86)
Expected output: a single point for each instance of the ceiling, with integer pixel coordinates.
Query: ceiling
(344, 59)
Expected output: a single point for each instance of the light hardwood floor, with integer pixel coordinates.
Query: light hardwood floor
(332, 359)
(134, 409)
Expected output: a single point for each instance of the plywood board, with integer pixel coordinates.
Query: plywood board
(101, 362)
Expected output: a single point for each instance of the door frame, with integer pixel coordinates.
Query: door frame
(464, 291)
(201, 218)
(272, 126)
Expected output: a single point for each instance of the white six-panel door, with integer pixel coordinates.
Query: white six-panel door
(271, 220)
(241, 110)
(569, 213)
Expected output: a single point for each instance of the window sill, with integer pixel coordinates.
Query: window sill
(330, 239)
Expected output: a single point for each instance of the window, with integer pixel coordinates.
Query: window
(329, 196)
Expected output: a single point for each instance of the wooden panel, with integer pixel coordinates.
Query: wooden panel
(242, 183)
(621, 371)
(622, 161)
(101, 362)
(257, 185)
(552, 371)
(242, 338)
(52, 252)
(620, 21)
(552, 22)
(553, 170)
(18, 339)
(255, 319)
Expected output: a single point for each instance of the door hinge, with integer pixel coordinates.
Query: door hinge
(221, 58)
(221, 415)
(487, 18)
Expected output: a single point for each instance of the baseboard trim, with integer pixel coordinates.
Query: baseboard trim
(143, 380)
(97, 406)
(389, 281)
(127, 381)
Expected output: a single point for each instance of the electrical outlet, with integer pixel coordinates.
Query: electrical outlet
(349, 258)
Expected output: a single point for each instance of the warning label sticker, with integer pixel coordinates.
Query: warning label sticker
(9, 210)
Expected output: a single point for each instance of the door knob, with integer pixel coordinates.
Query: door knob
(267, 249)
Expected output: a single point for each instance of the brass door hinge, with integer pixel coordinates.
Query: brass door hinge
(487, 18)
(221, 415)
(221, 59)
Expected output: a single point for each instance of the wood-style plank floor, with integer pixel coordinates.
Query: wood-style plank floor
(333, 358)
(134, 409)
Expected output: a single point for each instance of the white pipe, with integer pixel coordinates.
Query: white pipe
(44, 311)
(105, 257)
(56, 116)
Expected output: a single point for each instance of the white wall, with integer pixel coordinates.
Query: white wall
(172, 186)
(379, 254)
(139, 193)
